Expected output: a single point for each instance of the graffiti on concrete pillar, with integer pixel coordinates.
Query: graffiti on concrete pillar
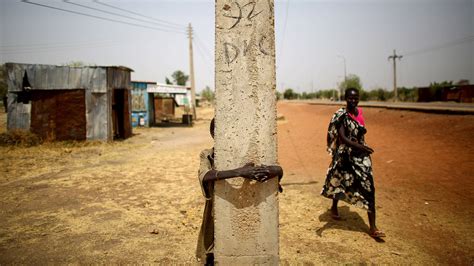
(261, 43)
(249, 8)
(231, 52)
(238, 13)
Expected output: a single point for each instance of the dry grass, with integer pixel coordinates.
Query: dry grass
(19, 138)
(3, 121)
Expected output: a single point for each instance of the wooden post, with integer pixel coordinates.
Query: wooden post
(245, 212)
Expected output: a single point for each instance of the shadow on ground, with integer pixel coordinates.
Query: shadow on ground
(350, 221)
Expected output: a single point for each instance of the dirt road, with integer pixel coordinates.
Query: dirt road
(139, 201)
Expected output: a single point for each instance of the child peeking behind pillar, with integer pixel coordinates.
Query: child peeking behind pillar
(207, 176)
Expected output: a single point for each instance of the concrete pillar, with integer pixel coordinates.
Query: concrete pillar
(245, 212)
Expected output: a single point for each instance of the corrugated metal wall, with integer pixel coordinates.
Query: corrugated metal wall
(47, 77)
(97, 115)
(18, 116)
(98, 83)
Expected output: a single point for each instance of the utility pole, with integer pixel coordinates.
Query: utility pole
(191, 71)
(394, 57)
(245, 212)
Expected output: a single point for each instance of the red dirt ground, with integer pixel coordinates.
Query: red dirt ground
(423, 170)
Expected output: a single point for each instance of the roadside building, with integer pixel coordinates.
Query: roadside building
(69, 103)
(166, 98)
(142, 103)
(463, 93)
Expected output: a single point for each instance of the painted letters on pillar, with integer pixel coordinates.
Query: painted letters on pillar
(242, 14)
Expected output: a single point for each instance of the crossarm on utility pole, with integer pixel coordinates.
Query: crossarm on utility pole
(394, 57)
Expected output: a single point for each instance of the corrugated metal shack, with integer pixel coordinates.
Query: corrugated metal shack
(142, 102)
(69, 103)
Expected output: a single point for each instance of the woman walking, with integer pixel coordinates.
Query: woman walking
(349, 177)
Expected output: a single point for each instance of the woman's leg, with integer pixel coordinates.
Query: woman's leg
(371, 214)
(373, 230)
(334, 212)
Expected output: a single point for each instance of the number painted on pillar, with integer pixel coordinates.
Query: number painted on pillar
(249, 8)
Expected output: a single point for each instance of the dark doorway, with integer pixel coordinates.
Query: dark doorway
(122, 127)
(117, 114)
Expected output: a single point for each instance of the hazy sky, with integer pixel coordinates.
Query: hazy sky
(313, 39)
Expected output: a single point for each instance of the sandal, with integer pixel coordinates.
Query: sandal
(377, 234)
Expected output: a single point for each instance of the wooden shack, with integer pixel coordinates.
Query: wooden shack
(69, 103)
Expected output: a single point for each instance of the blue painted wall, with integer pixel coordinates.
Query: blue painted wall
(142, 106)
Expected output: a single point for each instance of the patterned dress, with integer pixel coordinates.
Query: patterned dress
(349, 176)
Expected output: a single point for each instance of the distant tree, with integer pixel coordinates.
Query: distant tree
(379, 94)
(463, 82)
(351, 81)
(363, 95)
(207, 94)
(407, 94)
(289, 94)
(310, 95)
(278, 95)
(77, 64)
(327, 94)
(168, 81)
(180, 78)
(441, 84)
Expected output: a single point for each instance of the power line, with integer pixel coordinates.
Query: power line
(50, 45)
(202, 53)
(116, 14)
(208, 70)
(440, 46)
(207, 63)
(138, 14)
(69, 46)
(284, 27)
(201, 43)
(59, 49)
(97, 17)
